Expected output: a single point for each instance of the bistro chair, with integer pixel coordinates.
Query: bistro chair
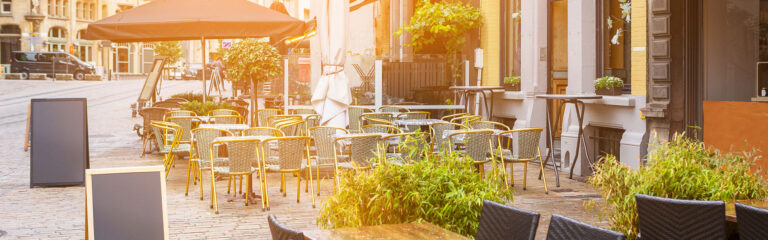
(172, 105)
(452, 116)
(263, 114)
(753, 222)
(149, 114)
(243, 112)
(272, 120)
(176, 100)
(393, 109)
(499, 221)
(200, 156)
(302, 111)
(223, 112)
(563, 228)
(226, 119)
(439, 142)
(175, 148)
(293, 157)
(478, 145)
(526, 149)
(354, 113)
(466, 120)
(368, 121)
(381, 128)
(360, 149)
(241, 154)
(312, 121)
(666, 218)
(488, 125)
(292, 127)
(377, 115)
(262, 131)
(322, 136)
(281, 232)
(414, 115)
(186, 124)
(178, 113)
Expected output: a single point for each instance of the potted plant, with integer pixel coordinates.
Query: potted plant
(512, 83)
(608, 86)
(252, 61)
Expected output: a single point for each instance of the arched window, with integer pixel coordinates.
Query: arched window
(84, 49)
(11, 41)
(57, 39)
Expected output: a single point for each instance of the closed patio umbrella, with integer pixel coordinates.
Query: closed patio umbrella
(331, 96)
(168, 20)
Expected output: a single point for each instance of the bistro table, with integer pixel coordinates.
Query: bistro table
(411, 124)
(576, 100)
(465, 91)
(228, 127)
(253, 196)
(405, 231)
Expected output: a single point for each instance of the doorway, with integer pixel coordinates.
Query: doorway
(558, 56)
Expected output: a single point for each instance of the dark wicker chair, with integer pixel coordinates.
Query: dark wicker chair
(753, 222)
(498, 221)
(563, 228)
(280, 232)
(665, 218)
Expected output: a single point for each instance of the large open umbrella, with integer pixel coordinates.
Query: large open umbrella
(165, 20)
(331, 96)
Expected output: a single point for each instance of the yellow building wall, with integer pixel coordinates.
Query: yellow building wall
(639, 47)
(490, 37)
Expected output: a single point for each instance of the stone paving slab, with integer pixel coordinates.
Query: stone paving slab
(58, 213)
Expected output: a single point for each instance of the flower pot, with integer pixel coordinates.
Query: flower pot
(511, 87)
(611, 91)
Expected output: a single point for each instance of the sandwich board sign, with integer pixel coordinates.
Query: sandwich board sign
(126, 203)
(59, 141)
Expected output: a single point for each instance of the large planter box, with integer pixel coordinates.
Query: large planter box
(12, 76)
(612, 91)
(92, 77)
(37, 76)
(515, 87)
(64, 77)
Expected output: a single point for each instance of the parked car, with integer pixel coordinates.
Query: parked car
(49, 63)
(190, 72)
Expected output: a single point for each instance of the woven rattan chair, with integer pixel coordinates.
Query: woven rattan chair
(360, 150)
(243, 112)
(393, 109)
(381, 128)
(440, 143)
(563, 228)
(498, 221)
(374, 118)
(452, 116)
(226, 119)
(173, 105)
(178, 113)
(303, 111)
(414, 115)
(241, 155)
(263, 114)
(272, 120)
(186, 124)
(522, 146)
(199, 154)
(753, 222)
(354, 113)
(280, 232)
(322, 136)
(149, 114)
(292, 127)
(293, 153)
(478, 145)
(262, 131)
(466, 120)
(666, 218)
(311, 122)
(223, 112)
(488, 125)
(173, 150)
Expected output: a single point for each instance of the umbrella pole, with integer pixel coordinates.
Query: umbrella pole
(202, 41)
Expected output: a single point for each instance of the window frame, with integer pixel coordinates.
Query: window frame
(8, 3)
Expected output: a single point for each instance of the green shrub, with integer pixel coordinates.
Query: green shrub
(513, 80)
(203, 109)
(607, 82)
(446, 191)
(191, 96)
(683, 169)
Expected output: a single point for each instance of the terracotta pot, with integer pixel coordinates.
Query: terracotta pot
(611, 91)
(511, 87)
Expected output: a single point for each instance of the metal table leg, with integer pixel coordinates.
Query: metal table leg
(580, 142)
(551, 152)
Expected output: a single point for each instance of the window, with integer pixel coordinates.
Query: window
(85, 47)
(6, 6)
(607, 141)
(57, 32)
(615, 51)
(511, 37)
(51, 7)
(79, 10)
(64, 9)
(59, 8)
(57, 39)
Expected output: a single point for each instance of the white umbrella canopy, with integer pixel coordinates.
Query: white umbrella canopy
(332, 96)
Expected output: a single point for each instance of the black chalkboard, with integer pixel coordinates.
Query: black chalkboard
(126, 203)
(59, 136)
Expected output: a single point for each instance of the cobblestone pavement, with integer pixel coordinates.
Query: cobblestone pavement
(58, 213)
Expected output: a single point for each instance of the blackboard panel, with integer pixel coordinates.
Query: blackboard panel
(126, 203)
(59, 132)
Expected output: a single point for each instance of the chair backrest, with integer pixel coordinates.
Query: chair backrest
(176, 100)
(488, 125)
(292, 151)
(178, 113)
(524, 143)
(413, 115)
(223, 112)
(310, 122)
(477, 143)
(452, 116)
(393, 109)
(226, 119)
(665, 218)
(186, 124)
(323, 138)
(437, 129)
(291, 127)
(151, 114)
(263, 114)
(241, 154)
(303, 111)
(202, 138)
(377, 115)
(563, 228)
(362, 148)
(354, 113)
(466, 120)
(752, 222)
(280, 232)
(158, 127)
(238, 102)
(242, 111)
(381, 128)
(167, 105)
(262, 131)
(368, 121)
(498, 221)
(272, 120)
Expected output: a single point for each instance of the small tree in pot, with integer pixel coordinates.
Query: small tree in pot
(512, 83)
(253, 61)
(608, 85)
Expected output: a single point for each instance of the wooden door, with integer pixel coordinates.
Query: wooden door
(558, 52)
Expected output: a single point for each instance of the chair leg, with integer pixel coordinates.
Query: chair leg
(512, 173)
(247, 186)
(200, 174)
(229, 185)
(298, 188)
(282, 185)
(240, 187)
(189, 173)
(213, 193)
(525, 174)
(317, 169)
(541, 166)
(306, 183)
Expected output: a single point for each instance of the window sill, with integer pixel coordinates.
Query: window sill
(624, 100)
(6, 14)
(513, 95)
(58, 18)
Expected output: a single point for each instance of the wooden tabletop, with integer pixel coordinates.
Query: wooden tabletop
(404, 231)
(730, 209)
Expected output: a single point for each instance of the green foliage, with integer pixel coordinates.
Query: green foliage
(444, 23)
(203, 109)
(171, 50)
(607, 82)
(191, 96)
(513, 80)
(445, 190)
(682, 169)
(252, 60)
